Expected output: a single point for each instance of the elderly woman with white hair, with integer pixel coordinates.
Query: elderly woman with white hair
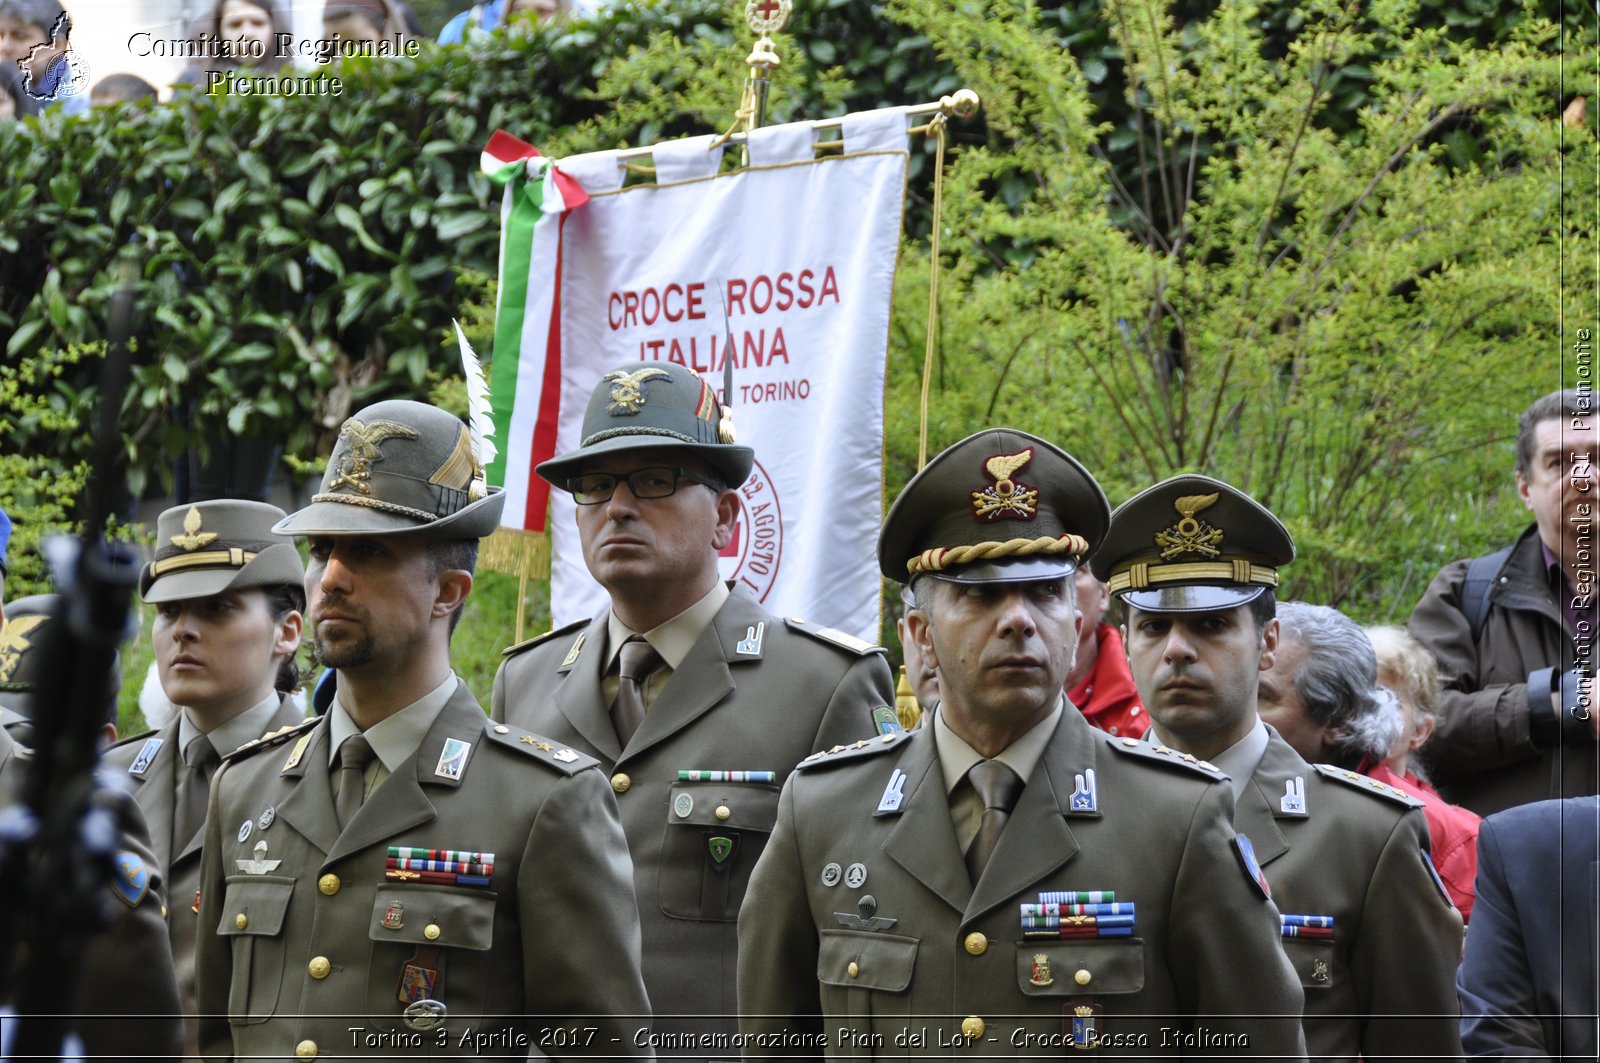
(1330, 707)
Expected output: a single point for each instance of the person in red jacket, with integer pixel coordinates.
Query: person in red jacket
(1100, 684)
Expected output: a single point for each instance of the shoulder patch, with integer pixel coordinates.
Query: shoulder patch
(546, 751)
(132, 880)
(833, 636)
(1133, 747)
(273, 738)
(553, 633)
(1357, 781)
(866, 747)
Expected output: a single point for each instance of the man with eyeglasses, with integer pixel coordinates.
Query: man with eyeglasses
(696, 700)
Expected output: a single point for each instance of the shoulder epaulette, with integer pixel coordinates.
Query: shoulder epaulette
(546, 751)
(834, 637)
(1133, 747)
(526, 644)
(273, 738)
(1357, 781)
(866, 747)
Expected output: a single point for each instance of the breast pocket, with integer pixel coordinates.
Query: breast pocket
(1091, 967)
(253, 914)
(426, 944)
(865, 981)
(713, 835)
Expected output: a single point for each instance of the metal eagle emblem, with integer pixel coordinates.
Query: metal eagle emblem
(627, 389)
(1006, 498)
(361, 443)
(1190, 536)
(14, 643)
(193, 538)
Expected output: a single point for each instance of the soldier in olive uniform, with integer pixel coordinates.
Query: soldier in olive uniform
(731, 696)
(400, 877)
(127, 998)
(229, 594)
(1007, 879)
(1372, 935)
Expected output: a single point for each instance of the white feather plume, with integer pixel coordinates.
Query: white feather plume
(480, 416)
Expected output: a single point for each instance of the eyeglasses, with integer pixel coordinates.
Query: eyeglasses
(593, 488)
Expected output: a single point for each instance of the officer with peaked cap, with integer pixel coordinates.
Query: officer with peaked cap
(399, 864)
(228, 595)
(729, 698)
(22, 667)
(1007, 878)
(1373, 938)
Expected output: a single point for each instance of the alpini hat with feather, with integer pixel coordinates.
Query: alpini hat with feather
(1001, 506)
(660, 406)
(205, 548)
(402, 468)
(1192, 544)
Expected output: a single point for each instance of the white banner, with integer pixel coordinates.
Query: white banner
(802, 253)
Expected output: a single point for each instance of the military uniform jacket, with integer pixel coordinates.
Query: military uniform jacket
(311, 936)
(1384, 986)
(755, 693)
(1201, 974)
(127, 999)
(159, 760)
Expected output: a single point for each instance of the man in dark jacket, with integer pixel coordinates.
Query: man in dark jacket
(1514, 639)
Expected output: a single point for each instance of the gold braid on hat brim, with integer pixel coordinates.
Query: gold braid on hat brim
(1139, 576)
(942, 557)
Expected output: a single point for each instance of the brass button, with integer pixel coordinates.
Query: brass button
(1083, 976)
(972, 1027)
(977, 944)
(329, 885)
(163, 911)
(853, 969)
(305, 1050)
(620, 782)
(431, 931)
(723, 812)
(241, 921)
(319, 968)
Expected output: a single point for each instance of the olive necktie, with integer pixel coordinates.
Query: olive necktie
(998, 787)
(354, 756)
(202, 759)
(637, 659)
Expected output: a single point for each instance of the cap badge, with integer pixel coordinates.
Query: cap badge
(627, 389)
(13, 643)
(361, 451)
(1006, 498)
(193, 538)
(1190, 536)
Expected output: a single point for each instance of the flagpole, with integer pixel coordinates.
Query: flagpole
(764, 17)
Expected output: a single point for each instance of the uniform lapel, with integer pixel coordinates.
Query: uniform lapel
(308, 807)
(1036, 840)
(157, 792)
(1260, 803)
(400, 802)
(702, 680)
(923, 840)
(284, 716)
(578, 694)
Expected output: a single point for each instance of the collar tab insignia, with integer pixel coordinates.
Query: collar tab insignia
(893, 794)
(1294, 797)
(1086, 795)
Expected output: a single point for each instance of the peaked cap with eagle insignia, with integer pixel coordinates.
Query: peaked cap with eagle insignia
(1001, 506)
(205, 548)
(401, 468)
(1192, 544)
(659, 405)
